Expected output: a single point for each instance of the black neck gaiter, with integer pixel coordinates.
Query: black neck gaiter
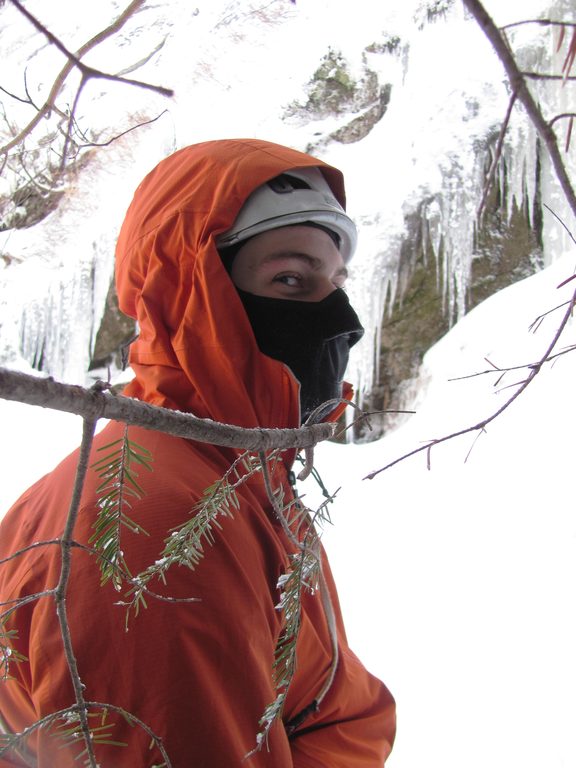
(313, 338)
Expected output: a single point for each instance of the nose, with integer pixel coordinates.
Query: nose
(323, 287)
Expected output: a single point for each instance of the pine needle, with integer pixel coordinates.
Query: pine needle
(118, 488)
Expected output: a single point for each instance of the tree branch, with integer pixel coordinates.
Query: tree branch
(74, 60)
(481, 425)
(62, 586)
(96, 404)
(520, 88)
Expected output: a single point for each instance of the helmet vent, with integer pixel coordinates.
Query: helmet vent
(285, 183)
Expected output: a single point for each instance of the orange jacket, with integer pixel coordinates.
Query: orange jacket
(199, 674)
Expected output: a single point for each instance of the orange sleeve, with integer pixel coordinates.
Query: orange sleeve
(355, 725)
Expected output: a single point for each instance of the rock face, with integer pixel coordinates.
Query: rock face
(505, 251)
(113, 337)
(333, 92)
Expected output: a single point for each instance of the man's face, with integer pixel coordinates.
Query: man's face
(298, 262)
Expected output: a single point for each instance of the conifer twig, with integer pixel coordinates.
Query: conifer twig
(9, 742)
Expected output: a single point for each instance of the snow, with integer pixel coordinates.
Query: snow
(457, 582)
(441, 108)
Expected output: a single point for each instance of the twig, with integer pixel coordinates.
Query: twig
(563, 116)
(511, 368)
(13, 96)
(278, 511)
(74, 60)
(570, 235)
(89, 426)
(543, 22)
(481, 425)
(308, 464)
(123, 133)
(540, 76)
(70, 122)
(47, 720)
(19, 601)
(23, 551)
(497, 154)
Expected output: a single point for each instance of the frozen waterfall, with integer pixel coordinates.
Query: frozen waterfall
(423, 163)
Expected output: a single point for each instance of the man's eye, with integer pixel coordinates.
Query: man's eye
(291, 280)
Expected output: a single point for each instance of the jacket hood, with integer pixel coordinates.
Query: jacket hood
(196, 351)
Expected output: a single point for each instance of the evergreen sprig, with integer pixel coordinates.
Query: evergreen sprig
(303, 575)
(185, 545)
(8, 654)
(118, 488)
(70, 731)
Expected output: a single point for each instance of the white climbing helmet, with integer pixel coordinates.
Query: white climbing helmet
(299, 196)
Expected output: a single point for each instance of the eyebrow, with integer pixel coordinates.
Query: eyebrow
(313, 261)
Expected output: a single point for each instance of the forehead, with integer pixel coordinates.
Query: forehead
(308, 244)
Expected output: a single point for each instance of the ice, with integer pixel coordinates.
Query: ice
(425, 158)
(457, 584)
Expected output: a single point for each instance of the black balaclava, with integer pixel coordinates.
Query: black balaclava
(313, 338)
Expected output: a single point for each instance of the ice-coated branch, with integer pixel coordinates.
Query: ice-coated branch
(95, 404)
(520, 88)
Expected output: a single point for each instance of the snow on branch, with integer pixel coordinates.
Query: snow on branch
(96, 403)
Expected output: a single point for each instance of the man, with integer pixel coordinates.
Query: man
(231, 258)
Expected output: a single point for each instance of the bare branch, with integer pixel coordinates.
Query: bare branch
(13, 96)
(520, 88)
(542, 22)
(97, 404)
(35, 545)
(570, 235)
(123, 133)
(481, 425)
(497, 156)
(62, 587)
(540, 76)
(74, 60)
